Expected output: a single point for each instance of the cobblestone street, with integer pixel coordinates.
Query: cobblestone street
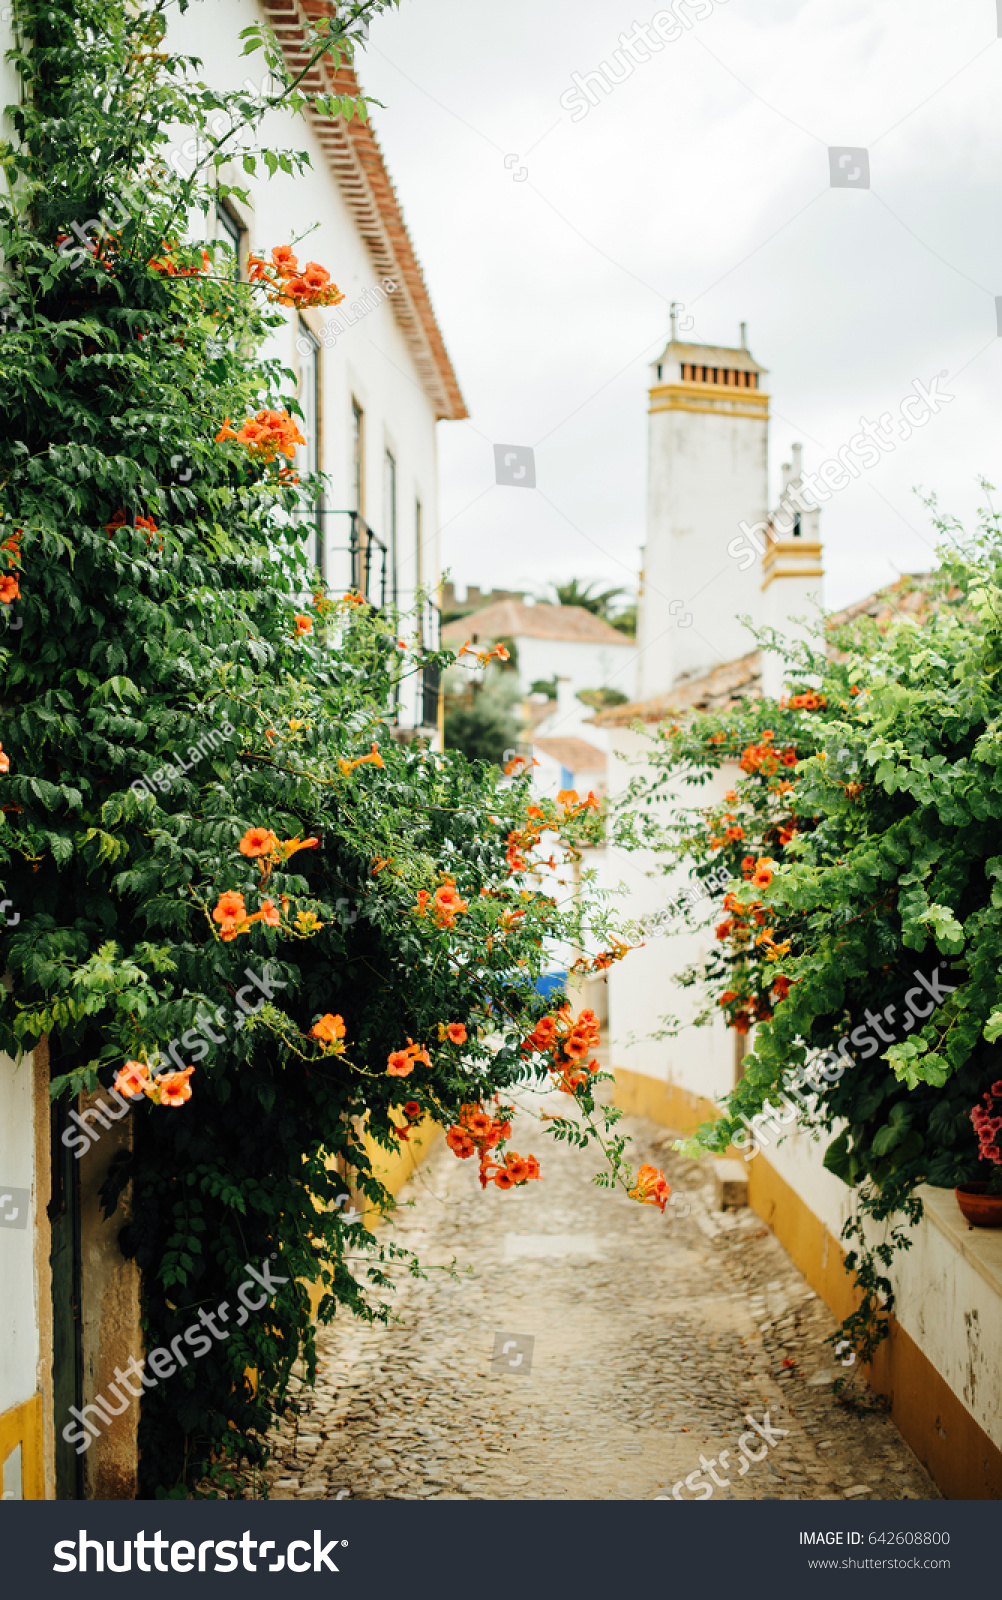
(653, 1340)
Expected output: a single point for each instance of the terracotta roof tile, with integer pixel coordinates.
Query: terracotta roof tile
(740, 680)
(354, 157)
(507, 619)
(576, 754)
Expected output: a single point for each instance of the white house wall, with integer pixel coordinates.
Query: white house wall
(642, 990)
(369, 361)
(19, 1328)
(707, 472)
(949, 1304)
(586, 665)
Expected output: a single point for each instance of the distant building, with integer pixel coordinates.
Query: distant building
(552, 641)
(714, 553)
(458, 600)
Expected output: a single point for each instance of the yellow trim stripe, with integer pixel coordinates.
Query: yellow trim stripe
(794, 572)
(22, 1425)
(962, 1459)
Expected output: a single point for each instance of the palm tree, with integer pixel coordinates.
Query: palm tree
(574, 593)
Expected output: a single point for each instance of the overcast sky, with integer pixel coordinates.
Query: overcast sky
(704, 178)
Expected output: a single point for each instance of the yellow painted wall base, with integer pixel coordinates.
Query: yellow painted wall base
(958, 1453)
(22, 1425)
(392, 1168)
(662, 1102)
(665, 1103)
(947, 1440)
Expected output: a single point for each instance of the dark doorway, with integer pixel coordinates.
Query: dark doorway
(67, 1323)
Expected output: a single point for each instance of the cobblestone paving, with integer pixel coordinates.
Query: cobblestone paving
(653, 1340)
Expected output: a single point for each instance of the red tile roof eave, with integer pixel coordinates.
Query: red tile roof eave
(358, 167)
(741, 678)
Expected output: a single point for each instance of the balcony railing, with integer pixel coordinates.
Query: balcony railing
(429, 633)
(351, 556)
(349, 553)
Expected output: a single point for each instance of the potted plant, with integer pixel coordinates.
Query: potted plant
(981, 1203)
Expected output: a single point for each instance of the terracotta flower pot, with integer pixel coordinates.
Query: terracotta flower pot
(982, 1210)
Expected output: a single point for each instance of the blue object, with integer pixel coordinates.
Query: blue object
(550, 983)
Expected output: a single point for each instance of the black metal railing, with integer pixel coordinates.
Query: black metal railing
(358, 562)
(429, 632)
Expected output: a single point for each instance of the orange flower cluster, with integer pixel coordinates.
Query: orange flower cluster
(173, 1089)
(446, 903)
(143, 525)
(764, 757)
(10, 588)
(269, 434)
(604, 959)
(174, 269)
(233, 917)
(269, 851)
(651, 1188)
(455, 1032)
(413, 1113)
(292, 285)
(739, 926)
(263, 846)
(750, 1009)
(373, 758)
(400, 1063)
(567, 1043)
(304, 624)
(477, 1130)
(513, 1174)
(5, 766)
(726, 829)
(804, 702)
(515, 765)
(483, 656)
(573, 806)
(330, 1031)
(149, 527)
